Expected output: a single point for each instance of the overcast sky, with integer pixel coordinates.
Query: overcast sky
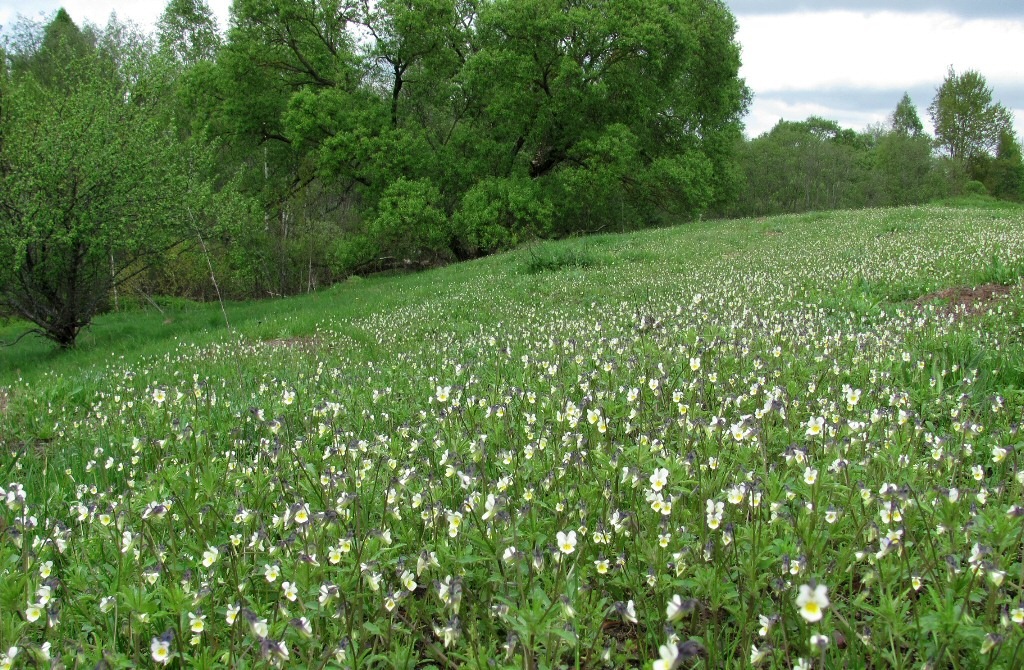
(847, 60)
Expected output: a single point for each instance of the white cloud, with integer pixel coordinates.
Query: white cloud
(790, 58)
(881, 50)
(765, 112)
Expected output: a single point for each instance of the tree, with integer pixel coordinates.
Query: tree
(187, 30)
(967, 122)
(903, 164)
(1005, 178)
(93, 186)
(904, 119)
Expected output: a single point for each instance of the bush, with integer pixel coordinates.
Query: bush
(410, 225)
(975, 187)
(496, 214)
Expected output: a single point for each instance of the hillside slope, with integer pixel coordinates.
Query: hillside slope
(800, 426)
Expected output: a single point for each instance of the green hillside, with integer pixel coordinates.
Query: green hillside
(773, 441)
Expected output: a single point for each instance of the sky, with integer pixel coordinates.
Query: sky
(845, 60)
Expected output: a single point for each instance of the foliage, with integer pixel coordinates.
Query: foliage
(968, 123)
(905, 120)
(409, 224)
(187, 30)
(611, 114)
(93, 187)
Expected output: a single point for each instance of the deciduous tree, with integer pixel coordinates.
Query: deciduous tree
(968, 122)
(93, 186)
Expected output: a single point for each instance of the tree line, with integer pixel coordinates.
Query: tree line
(817, 165)
(315, 139)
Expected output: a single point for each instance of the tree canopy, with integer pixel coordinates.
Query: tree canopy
(92, 187)
(967, 121)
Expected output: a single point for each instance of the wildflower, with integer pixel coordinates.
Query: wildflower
(627, 611)
(7, 659)
(232, 614)
(160, 647)
(659, 479)
(291, 592)
(992, 641)
(818, 640)
(491, 507)
(210, 556)
(602, 566)
(449, 632)
(715, 511)
(677, 608)
(259, 627)
(812, 600)
(304, 626)
(814, 426)
(271, 572)
(33, 612)
(196, 622)
(567, 541)
(810, 476)
(668, 657)
(757, 656)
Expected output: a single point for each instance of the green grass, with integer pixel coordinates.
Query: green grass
(591, 453)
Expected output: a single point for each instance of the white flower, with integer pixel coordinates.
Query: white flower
(567, 541)
(814, 425)
(232, 613)
(210, 556)
(271, 572)
(812, 601)
(659, 479)
(674, 610)
(161, 650)
(290, 591)
(196, 622)
(669, 655)
(33, 612)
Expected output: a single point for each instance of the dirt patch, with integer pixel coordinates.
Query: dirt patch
(973, 299)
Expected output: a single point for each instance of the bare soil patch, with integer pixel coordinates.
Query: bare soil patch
(973, 299)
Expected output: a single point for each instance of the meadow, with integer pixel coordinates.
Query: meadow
(788, 442)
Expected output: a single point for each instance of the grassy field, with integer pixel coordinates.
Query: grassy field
(785, 442)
